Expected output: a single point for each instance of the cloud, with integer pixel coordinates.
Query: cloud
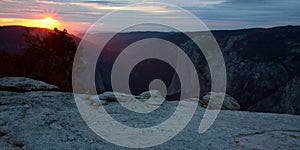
(106, 2)
(252, 13)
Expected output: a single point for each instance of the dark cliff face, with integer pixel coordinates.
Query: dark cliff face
(259, 62)
(283, 100)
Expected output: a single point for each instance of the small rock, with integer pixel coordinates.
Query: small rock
(26, 106)
(56, 126)
(16, 143)
(115, 96)
(151, 93)
(3, 133)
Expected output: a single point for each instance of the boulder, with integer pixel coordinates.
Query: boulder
(24, 84)
(229, 102)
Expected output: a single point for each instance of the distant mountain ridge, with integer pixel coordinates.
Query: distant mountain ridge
(12, 41)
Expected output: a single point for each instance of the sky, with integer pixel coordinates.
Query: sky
(79, 15)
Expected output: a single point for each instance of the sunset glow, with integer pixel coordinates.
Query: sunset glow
(47, 22)
(77, 16)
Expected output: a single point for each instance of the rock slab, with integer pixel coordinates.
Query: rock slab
(50, 120)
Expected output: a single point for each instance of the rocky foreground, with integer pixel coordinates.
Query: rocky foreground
(39, 117)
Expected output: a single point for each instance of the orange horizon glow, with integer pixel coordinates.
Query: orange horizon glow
(46, 22)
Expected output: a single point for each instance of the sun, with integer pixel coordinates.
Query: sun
(48, 22)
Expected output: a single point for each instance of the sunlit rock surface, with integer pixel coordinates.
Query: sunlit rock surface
(50, 120)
